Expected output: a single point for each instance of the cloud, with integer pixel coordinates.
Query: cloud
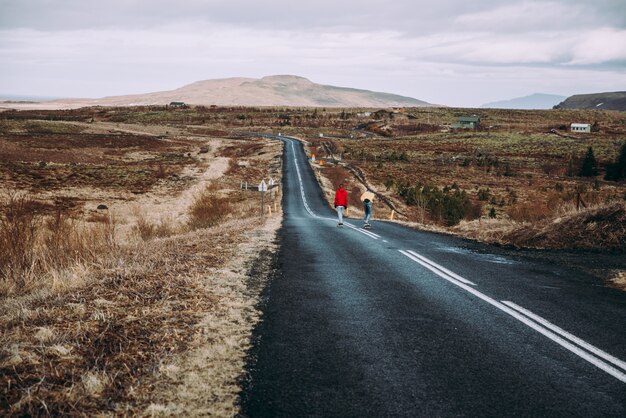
(96, 48)
(407, 16)
(527, 16)
(600, 46)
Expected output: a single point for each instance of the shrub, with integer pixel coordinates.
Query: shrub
(456, 206)
(483, 194)
(508, 171)
(449, 205)
(208, 209)
(19, 226)
(161, 172)
(550, 168)
(148, 230)
(33, 244)
(589, 167)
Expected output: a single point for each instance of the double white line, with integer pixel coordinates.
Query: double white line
(593, 355)
(435, 268)
(602, 360)
(364, 231)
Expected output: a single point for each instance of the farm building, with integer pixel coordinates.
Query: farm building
(467, 122)
(580, 127)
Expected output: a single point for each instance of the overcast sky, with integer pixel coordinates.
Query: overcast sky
(452, 52)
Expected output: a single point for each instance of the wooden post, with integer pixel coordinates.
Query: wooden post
(391, 216)
(269, 210)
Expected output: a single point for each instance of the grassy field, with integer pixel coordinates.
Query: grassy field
(521, 170)
(132, 260)
(128, 251)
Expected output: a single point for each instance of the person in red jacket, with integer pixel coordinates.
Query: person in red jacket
(341, 202)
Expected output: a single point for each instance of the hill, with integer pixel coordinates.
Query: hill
(534, 101)
(605, 101)
(279, 90)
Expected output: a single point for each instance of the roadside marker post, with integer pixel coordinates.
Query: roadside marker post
(270, 185)
(262, 189)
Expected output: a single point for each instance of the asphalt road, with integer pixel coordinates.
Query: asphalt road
(396, 322)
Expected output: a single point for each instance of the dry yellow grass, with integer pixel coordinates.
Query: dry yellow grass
(110, 336)
(205, 379)
(601, 228)
(83, 334)
(37, 248)
(619, 280)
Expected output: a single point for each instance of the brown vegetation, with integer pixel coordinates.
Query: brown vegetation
(109, 282)
(111, 259)
(514, 170)
(34, 245)
(209, 209)
(619, 280)
(89, 351)
(599, 228)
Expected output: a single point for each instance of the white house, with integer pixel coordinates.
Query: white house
(580, 127)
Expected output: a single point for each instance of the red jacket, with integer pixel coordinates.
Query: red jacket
(341, 197)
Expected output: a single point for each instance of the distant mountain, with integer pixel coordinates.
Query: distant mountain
(534, 101)
(278, 90)
(606, 101)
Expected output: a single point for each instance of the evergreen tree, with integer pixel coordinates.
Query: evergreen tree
(589, 167)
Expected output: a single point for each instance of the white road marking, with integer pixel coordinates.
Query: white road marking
(306, 205)
(618, 374)
(363, 231)
(546, 328)
(434, 267)
(594, 350)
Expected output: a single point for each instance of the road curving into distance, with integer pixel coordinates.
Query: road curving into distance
(397, 322)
